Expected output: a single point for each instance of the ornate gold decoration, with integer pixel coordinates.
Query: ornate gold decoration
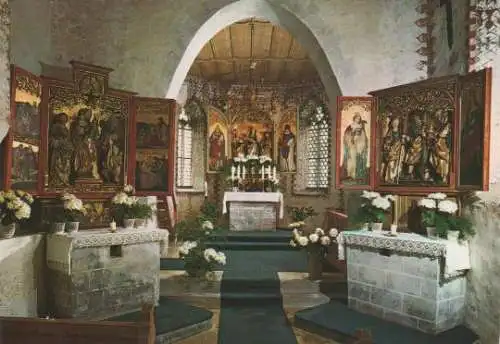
(29, 85)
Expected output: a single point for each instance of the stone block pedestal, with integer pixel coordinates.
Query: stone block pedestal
(405, 288)
(98, 274)
(252, 216)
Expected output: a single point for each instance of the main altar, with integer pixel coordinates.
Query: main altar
(255, 202)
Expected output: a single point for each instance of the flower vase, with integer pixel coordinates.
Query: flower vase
(453, 235)
(72, 227)
(8, 231)
(128, 223)
(365, 227)
(140, 223)
(314, 264)
(58, 227)
(431, 232)
(377, 226)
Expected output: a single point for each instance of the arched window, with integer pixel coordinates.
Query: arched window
(184, 151)
(191, 142)
(314, 124)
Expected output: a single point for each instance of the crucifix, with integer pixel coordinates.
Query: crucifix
(449, 20)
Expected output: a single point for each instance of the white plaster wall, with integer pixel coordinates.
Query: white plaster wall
(369, 44)
(31, 33)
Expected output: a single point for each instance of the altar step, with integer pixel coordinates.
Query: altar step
(337, 321)
(253, 240)
(174, 320)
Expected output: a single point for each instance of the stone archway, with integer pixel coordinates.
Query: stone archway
(4, 68)
(261, 9)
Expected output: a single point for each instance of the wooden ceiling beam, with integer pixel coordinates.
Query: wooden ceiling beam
(212, 48)
(232, 52)
(271, 42)
(283, 68)
(256, 59)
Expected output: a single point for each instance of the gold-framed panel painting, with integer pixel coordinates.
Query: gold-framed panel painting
(287, 142)
(355, 134)
(217, 141)
(25, 134)
(151, 170)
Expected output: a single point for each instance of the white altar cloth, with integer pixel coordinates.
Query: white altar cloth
(60, 245)
(255, 197)
(456, 254)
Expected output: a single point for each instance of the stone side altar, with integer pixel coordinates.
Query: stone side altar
(409, 279)
(96, 274)
(253, 210)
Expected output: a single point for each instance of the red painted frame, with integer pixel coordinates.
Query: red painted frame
(338, 144)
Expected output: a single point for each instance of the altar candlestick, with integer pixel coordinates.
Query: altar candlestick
(233, 171)
(274, 172)
(394, 229)
(244, 172)
(238, 171)
(206, 189)
(262, 172)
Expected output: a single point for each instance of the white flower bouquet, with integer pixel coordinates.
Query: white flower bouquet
(374, 207)
(123, 206)
(198, 259)
(73, 207)
(436, 210)
(15, 206)
(316, 240)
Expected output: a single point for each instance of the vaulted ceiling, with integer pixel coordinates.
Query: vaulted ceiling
(253, 50)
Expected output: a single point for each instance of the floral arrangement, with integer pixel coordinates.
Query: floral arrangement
(198, 260)
(300, 214)
(374, 207)
(73, 207)
(297, 224)
(15, 206)
(317, 240)
(440, 212)
(123, 206)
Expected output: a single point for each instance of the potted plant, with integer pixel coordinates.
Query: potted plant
(373, 210)
(440, 218)
(198, 259)
(15, 206)
(73, 212)
(142, 212)
(123, 209)
(316, 244)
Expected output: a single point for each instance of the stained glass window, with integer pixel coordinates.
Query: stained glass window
(184, 151)
(317, 152)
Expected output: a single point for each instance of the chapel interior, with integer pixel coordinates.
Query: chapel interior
(249, 171)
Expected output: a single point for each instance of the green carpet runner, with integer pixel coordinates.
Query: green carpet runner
(252, 308)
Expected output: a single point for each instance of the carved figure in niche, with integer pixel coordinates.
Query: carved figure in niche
(60, 151)
(24, 164)
(440, 155)
(417, 154)
(160, 133)
(217, 148)
(287, 150)
(84, 132)
(111, 154)
(355, 148)
(237, 143)
(393, 151)
(266, 144)
(252, 144)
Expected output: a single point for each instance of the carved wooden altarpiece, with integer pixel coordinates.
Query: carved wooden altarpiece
(78, 135)
(427, 136)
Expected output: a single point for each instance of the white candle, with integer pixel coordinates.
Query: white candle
(274, 172)
(244, 172)
(262, 172)
(206, 189)
(394, 228)
(112, 226)
(238, 171)
(233, 171)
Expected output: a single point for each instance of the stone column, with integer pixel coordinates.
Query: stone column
(4, 67)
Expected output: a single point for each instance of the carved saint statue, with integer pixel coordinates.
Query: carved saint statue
(111, 155)
(60, 151)
(83, 134)
(355, 159)
(393, 152)
(440, 154)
